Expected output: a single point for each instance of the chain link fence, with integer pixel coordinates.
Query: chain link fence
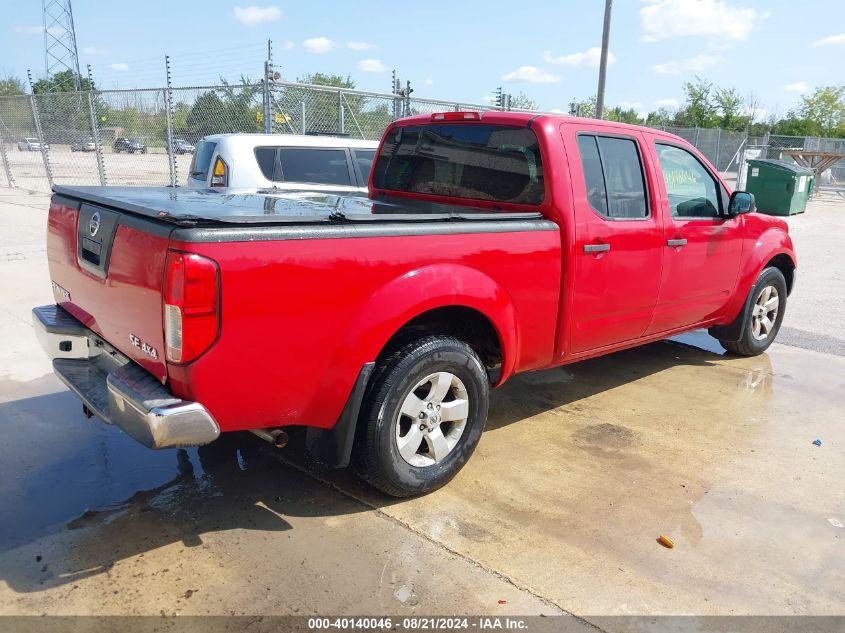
(139, 137)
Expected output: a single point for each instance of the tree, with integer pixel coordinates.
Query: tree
(207, 116)
(523, 102)
(824, 110)
(586, 108)
(728, 109)
(659, 118)
(62, 82)
(623, 116)
(698, 109)
(11, 86)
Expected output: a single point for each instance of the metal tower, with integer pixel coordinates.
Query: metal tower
(60, 43)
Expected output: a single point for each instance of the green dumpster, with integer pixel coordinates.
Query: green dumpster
(779, 188)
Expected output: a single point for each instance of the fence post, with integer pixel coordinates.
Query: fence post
(44, 155)
(718, 142)
(340, 115)
(95, 129)
(302, 103)
(5, 159)
(171, 157)
(266, 85)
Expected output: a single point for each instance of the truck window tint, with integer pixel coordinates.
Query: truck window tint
(364, 159)
(689, 186)
(613, 175)
(318, 166)
(479, 162)
(266, 158)
(201, 162)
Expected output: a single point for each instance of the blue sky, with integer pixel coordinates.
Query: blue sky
(457, 49)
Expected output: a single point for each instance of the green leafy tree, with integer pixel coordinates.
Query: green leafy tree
(62, 82)
(698, 109)
(523, 102)
(728, 106)
(824, 110)
(586, 108)
(623, 116)
(659, 118)
(11, 86)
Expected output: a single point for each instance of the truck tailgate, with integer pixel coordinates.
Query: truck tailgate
(107, 270)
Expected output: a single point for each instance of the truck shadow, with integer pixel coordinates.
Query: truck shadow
(102, 498)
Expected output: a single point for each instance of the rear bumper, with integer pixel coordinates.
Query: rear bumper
(117, 390)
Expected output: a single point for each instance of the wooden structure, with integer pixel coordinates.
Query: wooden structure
(815, 160)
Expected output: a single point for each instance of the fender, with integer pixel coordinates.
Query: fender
(423, 289)
(384, 314)
(773, 241)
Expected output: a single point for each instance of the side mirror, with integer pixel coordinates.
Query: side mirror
(741, 202)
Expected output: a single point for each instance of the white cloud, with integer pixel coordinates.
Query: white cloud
(428, 81)
(798, 86)
(372, 66)
(666, 19)
(557, 111)
(833, 40)
(759, 114)
(39, 30)
(318, 45)
(693, 64)
(359, 46)
(489, 99)
(93, 50)
(630, 105)
(589, 58)
(254, 15)
(120, 67)
(288, 46)
(531, 75)
(666, 103)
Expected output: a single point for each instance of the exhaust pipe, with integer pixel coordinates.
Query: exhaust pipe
(276, 437)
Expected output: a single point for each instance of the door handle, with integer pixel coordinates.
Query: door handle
(676, 243)
(596, 248)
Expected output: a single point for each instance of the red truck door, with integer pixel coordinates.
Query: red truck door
(702, 248)
(618, 236)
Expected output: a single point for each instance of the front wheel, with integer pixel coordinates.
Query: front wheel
(764, 316)
(423, 416)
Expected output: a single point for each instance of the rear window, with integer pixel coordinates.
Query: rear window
(364, 159)
(202, 159)
(480, 162)
(317, 166)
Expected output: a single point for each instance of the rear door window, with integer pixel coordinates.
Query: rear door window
(266, 158)
(201, 162)
(364, 161)
(613, 175)
(317, 166)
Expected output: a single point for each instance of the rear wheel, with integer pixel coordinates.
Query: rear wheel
(764, 317)
(423, 417)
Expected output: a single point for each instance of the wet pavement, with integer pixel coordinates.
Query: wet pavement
(580, 469)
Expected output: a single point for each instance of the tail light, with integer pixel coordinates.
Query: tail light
(220, 173)
(191, 305)
(456, 116)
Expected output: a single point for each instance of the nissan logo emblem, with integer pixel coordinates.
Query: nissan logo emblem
(94, 224)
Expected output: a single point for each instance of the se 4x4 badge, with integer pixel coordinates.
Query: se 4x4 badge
(148, 349)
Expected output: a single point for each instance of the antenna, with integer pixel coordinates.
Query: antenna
(60, 53)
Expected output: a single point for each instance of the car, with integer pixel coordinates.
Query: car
(83, 145)
(489, 244)
(181, 146)
(129, 145)
(30, 145)
(288, 162)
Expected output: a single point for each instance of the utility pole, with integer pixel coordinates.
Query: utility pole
(168, 108)
(605, 38)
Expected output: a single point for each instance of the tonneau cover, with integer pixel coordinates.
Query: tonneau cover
(191, 207)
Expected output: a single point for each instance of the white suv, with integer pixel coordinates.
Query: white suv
(282, 161)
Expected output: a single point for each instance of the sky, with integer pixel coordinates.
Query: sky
(457, 49)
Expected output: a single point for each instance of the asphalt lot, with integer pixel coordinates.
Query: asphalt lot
(580, 470)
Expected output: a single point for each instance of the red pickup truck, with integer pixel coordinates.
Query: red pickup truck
(490, 244)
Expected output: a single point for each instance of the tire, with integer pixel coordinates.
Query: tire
(769, 291)
(415, 377)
